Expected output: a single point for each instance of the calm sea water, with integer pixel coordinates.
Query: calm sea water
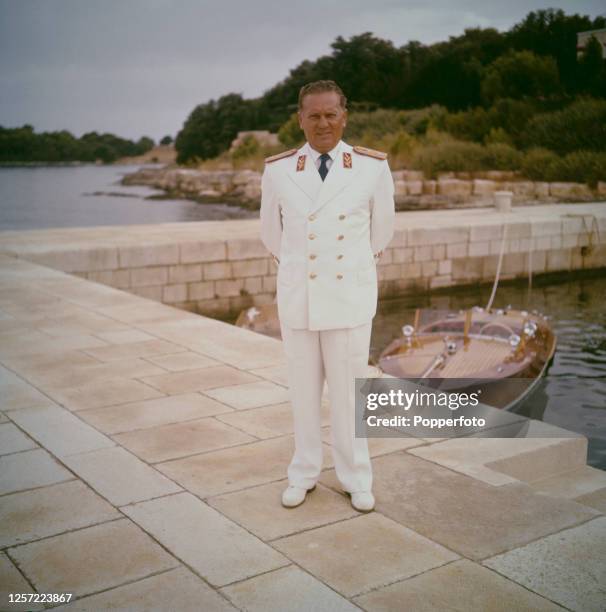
(575, 390)
(35, 197)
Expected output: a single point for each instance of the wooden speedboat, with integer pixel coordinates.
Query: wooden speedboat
(474, 348)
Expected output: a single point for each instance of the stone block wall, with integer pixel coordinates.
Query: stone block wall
(425, 259)
(216, 278)
(223, 275)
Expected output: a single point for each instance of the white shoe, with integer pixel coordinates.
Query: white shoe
(294, 496)
(362, 501)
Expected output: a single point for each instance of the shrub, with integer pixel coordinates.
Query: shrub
(472, 124)
(290, 134)
(540, 164)
(501, 156)
(249, 147)
(497, 135)
(582, 167)
(581, 125)
(456, 156)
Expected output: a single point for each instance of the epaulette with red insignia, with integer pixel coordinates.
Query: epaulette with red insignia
(278, 156)
(370, 152)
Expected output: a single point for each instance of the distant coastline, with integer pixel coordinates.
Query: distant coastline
(14, 164)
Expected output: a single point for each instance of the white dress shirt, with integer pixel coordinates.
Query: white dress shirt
(316, 155)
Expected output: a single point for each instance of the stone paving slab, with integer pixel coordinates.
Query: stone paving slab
(16, 393)
(268, 421)
(251, 395)
(277, 374)
(500, 461)
(91, 559)
(575, 484)
(30, 469)
(11, 582)
(46, 511)
(132, 337)
(186, 360)
(59, 431)
(229, 469)
(175, 589)
(56, 378)
(105, 392)
(350, 555)
(153, 412)
(31, 365)
(288, 588)
(35, 342)
(260, 511)
(595, 500)
(216, 548)
(78, 325)
(568, 567)
(219, 341)
(119, 476)
(124, 350)
(198, 380)
(460, 586)
(468, 516)
(13, 440)
(166, 442)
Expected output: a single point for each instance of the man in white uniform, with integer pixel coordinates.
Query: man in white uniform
(327, 213)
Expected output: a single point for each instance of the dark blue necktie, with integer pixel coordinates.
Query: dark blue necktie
(323, 169)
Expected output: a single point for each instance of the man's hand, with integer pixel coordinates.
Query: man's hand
(275, 259)
(377, 256)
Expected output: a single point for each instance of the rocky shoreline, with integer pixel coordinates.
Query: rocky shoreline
(413, 190)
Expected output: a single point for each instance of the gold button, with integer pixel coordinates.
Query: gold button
(312, 217)
(341, 217)
(313, 275)
(312, 236)
(339, 276)
(312, 256)
(339, 256)
(340, 237)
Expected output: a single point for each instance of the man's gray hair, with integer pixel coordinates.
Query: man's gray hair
(319, 87)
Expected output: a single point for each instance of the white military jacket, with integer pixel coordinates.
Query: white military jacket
(325, 235)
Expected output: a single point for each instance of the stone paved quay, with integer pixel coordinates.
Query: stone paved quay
(143, 451)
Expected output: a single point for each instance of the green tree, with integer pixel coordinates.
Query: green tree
(211, 127)
(144, 144)
(551, 32)
(592, 69)
(520, 74)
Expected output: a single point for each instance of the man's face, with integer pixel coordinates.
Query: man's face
(322, 119)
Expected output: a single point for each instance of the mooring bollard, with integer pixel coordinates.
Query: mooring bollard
(502, 200)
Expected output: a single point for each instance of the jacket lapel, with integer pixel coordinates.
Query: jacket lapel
(337, 179)
(307, 180)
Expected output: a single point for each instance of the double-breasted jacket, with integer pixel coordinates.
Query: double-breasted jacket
(326, 236)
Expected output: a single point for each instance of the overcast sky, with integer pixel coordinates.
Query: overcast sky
(138, 67)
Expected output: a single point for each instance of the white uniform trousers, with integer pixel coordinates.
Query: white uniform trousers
(337, 356)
